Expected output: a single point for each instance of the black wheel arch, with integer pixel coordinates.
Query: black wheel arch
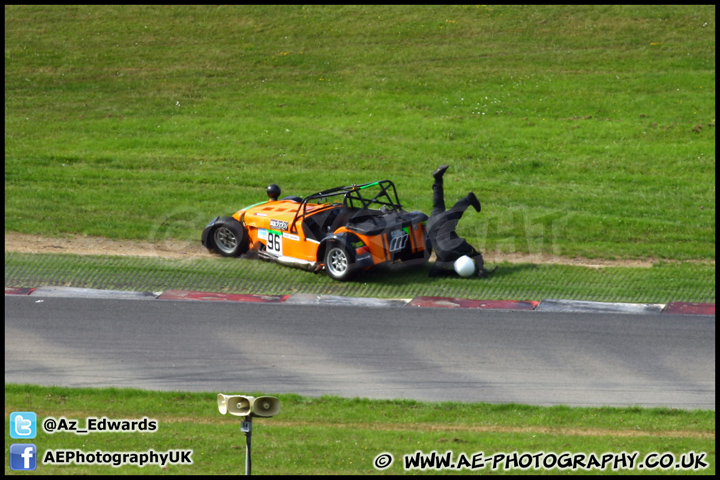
(344, 238)
(231, 223)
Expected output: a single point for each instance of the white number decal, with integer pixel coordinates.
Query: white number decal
(274, 242)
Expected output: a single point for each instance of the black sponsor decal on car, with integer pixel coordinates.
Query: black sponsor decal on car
(279, 224)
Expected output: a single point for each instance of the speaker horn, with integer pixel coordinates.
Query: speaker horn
(240, 405)
(265, 406)
(222, 403)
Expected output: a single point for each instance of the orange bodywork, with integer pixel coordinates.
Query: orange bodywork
(270, 224)
(343, 230)
(258, 220)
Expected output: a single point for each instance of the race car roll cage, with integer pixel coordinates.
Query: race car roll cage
(352, 194)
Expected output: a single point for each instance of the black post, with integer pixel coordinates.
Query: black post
(246, 426)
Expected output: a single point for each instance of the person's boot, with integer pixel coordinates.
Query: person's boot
(474, 201)
(438, 174)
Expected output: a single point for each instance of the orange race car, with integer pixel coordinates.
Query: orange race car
(344, 230)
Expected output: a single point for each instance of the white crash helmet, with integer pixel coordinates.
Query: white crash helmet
(464, 266)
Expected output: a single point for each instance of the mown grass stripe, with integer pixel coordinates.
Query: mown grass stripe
(511, 282)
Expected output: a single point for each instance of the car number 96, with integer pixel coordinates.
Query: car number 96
(274, 242)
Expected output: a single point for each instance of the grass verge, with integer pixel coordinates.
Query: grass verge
(662, 283)
(331, 435)
(587, 130)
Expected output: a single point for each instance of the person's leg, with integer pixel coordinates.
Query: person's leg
(438, 199)
(438, 191)
(438, 174)
(460, 206)
(470, 200)
(474, 201)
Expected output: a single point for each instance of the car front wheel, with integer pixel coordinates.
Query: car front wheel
(229, 238)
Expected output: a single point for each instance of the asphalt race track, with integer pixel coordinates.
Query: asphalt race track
(542, 358)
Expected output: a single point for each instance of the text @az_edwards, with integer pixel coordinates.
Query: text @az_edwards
(93, 424)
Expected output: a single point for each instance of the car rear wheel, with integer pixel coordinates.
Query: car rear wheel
(338, 262)
(230, 238)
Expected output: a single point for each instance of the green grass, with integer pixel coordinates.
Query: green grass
(123, 120)
(584, 130)
(331, 435)
(662, 283)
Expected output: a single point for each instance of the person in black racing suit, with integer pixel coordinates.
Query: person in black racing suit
(441, 226)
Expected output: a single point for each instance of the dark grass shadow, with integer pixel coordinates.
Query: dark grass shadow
(509, 269)
(398, 274)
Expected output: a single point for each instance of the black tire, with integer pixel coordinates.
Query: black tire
(229, 238)
(339, 262)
